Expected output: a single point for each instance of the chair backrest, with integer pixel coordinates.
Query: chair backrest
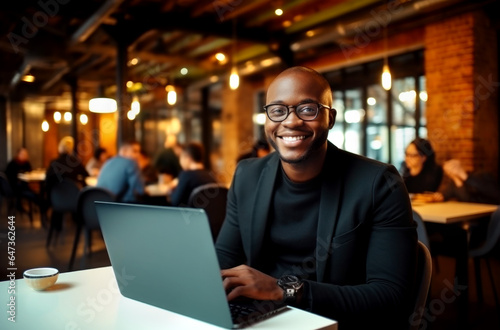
(492, 236)
(211, 197)
(422, 285)
(86, 207)
(421, 231)
(5, 188)
(64, 196)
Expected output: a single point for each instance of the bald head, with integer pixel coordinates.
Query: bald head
(297, 75)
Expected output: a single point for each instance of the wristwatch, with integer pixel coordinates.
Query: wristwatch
(291, 285)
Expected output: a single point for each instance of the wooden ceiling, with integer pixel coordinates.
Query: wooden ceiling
(59, 41)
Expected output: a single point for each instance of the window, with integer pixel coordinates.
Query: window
(372, 121)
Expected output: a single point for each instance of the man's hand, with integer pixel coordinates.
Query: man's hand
(453, 168)
(248, 282)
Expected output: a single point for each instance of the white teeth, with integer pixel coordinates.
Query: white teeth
(293, 138)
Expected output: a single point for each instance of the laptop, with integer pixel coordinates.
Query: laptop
(170, 254)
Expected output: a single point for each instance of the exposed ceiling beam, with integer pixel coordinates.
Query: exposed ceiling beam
(91, 24)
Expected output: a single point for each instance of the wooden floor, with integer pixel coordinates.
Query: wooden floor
(440, 313)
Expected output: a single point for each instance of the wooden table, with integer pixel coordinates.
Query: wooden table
(453, 214)
(90, 299)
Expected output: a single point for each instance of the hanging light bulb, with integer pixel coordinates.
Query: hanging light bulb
(171, 94)
(386, 77)
(135, 106)
(57, 117)
(68, 116)
(84, 119)
(45, 126)
(234, 79)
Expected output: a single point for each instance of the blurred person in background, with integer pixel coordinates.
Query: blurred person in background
(121, 174)
(166, 161)
(260, 149)
(148, 171)
(97, 161)
(193, 174)
(20, 164)
(66, 165)
(463, 186)
(420, 171)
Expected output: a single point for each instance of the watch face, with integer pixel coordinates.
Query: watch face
(288, 280)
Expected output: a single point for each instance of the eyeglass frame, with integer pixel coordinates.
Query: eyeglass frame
(320, 105)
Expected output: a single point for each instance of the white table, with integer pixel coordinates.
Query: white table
(453, 212)
(90, 299)
(33, 176)
(157, 190)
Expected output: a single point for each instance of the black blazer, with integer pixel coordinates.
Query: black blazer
(366, 239)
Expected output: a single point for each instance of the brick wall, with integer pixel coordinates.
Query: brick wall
(462, 109)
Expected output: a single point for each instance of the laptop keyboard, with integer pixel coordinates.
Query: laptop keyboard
(239, 312)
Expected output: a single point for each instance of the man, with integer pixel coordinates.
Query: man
(121, 174)
(193, 174)
(333, 228)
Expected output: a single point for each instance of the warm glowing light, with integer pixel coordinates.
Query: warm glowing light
(45, 126)
(310, 33)
(287, 23)
(171, 94)
(214, 79)
(102, 105)
(68, 116)
(131, 115)
(386, 78)
(135, 106)
(423, 96)
(234, 79)
(220, 57)
(130, 83)
(84, 119)
(278, 12)
(28, 78)
(371, 101)
(134, 61)
(57, 117)
(184, 71)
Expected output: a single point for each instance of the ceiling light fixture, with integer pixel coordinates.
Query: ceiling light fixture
(28, 78)
(386, 73)
(45, 126)
(278, 12)
(171, 94)
(135, 106)
(102, 105)
(84, 119)
(57, 117)
(68, 116)
(234, 79)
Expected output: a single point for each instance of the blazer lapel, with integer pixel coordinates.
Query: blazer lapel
(328, 209)
(260, 211)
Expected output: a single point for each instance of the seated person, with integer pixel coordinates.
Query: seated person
(166, 161)
(467, 187)
(259, 149)
(420, 171)
(20, 164)
(333, 227)
(121, 174)
(66, 165)
(95, 163)
(193, 174)
(148, 172)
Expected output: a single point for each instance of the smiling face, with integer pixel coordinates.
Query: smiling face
(298, 141)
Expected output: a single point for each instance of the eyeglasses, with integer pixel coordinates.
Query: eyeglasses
(305, 111)
(409, 155)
